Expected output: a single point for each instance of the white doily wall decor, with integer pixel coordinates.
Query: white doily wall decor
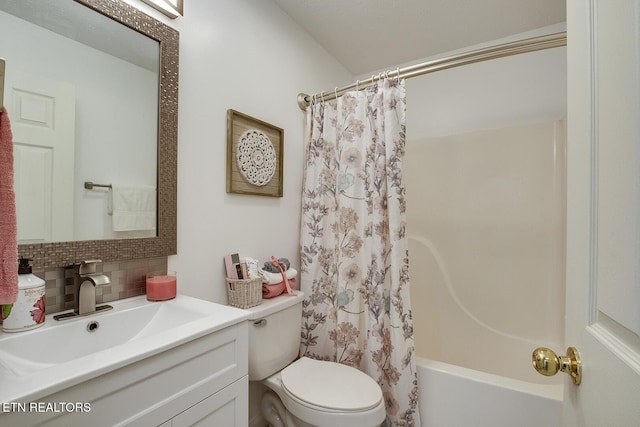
(255, 151)
(256, 157)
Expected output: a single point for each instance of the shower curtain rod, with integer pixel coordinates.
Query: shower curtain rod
(506, 49)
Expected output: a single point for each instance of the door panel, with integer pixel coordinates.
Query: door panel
(603, 211)
(42, 115)
(618, 161)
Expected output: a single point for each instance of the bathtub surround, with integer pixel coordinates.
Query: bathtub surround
(486, 236)
(354, 247)
(8, 220)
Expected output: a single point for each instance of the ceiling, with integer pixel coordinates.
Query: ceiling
(371, 35)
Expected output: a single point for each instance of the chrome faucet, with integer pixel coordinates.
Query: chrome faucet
(85, 280)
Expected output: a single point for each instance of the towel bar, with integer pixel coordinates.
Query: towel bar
(89, 185)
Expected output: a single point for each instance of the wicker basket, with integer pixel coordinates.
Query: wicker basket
(244, 293)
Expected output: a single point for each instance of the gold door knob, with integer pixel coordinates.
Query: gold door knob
(546, 362)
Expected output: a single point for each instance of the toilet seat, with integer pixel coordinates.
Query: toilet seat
(330, 387)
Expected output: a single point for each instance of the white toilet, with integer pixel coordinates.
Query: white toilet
(305, 392)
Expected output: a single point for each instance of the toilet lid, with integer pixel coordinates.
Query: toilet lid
(331, 385)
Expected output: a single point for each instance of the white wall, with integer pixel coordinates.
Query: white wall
(249, 56)
(520, 89)
(509, 91)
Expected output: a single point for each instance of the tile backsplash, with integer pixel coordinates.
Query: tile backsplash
(127, 280)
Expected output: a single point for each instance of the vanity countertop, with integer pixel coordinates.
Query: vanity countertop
(60, 354)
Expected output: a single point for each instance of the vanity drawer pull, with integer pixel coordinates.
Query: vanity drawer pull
(260, 323)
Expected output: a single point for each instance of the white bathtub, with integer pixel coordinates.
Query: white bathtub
(452, 396)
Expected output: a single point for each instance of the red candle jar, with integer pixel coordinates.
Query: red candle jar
(161, 285)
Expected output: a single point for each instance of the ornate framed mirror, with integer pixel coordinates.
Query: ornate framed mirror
(53, 254)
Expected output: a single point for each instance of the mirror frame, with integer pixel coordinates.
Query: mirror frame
(59, 254)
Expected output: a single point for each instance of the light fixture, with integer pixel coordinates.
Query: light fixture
(171, 8)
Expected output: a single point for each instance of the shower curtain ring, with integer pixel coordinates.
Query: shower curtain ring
(335, 92)
(357, 85)
(398, 72)
(322, 96)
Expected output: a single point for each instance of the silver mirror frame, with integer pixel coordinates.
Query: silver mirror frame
(60, 254)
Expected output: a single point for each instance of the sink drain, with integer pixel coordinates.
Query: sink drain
(93, 326)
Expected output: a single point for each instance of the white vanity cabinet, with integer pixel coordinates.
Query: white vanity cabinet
(203, 380)
(228, 407)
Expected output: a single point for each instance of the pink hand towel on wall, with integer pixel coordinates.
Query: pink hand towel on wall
(8, 220)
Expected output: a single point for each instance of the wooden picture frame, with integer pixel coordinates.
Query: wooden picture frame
(258, 169)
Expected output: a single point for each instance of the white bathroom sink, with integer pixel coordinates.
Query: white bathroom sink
(63, 353)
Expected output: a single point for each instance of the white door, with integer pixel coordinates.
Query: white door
(42, 113)
(603, 211)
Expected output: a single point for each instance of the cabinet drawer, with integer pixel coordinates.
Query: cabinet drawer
(155, 389)
(229, 407)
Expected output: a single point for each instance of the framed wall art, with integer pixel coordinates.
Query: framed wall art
(255, 151)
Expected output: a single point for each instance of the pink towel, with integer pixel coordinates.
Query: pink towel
(8, 221)
(272, 291)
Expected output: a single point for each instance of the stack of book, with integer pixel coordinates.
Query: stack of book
(240, 268)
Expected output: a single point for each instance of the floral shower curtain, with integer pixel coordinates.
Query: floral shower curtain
(354, 250)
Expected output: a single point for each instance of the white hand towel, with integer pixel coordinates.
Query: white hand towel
(133, 208)
(275, 278)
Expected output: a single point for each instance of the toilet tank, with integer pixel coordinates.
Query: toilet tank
(274, 335)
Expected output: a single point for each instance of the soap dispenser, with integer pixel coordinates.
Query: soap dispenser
(28, 311)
